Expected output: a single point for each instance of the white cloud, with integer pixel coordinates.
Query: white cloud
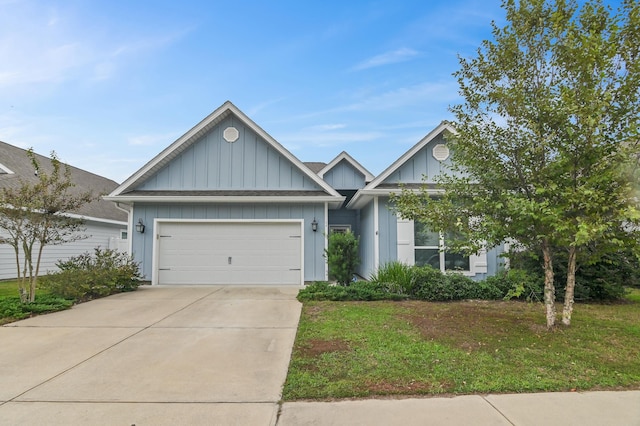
(399, 55)
(48, 46)
(152, 139)
(326, 127)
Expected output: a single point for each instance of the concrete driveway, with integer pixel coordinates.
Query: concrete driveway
(160, 355)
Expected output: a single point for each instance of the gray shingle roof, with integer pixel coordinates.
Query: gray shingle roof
(315, 166)
(16, 160)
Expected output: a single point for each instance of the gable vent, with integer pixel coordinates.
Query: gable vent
(440, 152)
(231, 134)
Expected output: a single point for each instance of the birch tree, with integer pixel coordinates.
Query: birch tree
(546, 136)
(35, 215)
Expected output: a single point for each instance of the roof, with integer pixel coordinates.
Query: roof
(123, 192)
(315, 166)
(376, 186)
(368, 177)
(16, 167)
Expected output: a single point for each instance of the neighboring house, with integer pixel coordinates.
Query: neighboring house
(227, 204)
(105, 224)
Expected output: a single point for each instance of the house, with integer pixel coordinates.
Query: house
(227, 204)
(105, 224)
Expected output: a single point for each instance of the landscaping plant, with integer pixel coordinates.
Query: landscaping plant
(342, 256)
(87, 276)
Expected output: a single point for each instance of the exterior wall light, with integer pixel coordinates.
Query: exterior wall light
(140, 226)
(314, 225)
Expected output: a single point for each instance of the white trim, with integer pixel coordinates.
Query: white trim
(337, 201)
(94, 219)
(366, 195)
(156, 237)
(192, 135)
(355, 201)
(326, 240)
(6, 170)
(376, 235)
(368, 177)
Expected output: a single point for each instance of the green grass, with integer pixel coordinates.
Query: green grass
(365, 349)
(11, 309)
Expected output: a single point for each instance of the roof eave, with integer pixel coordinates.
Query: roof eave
(224, 199)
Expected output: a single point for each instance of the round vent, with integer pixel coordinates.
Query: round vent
(440, 152)
(231, 134)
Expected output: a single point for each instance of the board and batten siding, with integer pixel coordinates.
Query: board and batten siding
(314, 242)
(213, 163)
(387, 224)
(344, 176)
(99, 234)
(422, 164)
(367, 241)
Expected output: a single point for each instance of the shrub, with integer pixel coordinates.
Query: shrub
(430, 284)
(87, 277)
(342, 256)
(359, 290)
(11, 308)
(516, 284)
(396, 277)
(603, 280)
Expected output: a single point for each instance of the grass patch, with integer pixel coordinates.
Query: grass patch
(11, 309)
(366, 349)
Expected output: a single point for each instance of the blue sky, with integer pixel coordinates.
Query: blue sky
(109, 84)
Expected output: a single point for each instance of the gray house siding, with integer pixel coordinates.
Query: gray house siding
(314, 242)
(344, 176)
(421, 165)
(388, 229)
(97, 234)
(213, 163)
(367, 242)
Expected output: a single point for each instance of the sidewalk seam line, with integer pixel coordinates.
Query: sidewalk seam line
(496, 408)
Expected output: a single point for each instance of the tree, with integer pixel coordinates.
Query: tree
(36, 214)
(546, 137)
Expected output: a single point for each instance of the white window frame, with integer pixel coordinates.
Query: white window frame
(406, 250)
(339, 228)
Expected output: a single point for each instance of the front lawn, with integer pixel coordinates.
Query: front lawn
(367, 349)
(11, 309)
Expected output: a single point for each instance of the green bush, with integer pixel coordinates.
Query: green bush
(359, 290)
(342, 256)
(604, 280)
(397, 277)
(13, 308)
(516, 284)
(87, 276)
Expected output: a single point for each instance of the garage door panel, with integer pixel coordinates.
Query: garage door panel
(229, 253)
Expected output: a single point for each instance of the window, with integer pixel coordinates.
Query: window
(339, 228)
(123, 235)
(430, 249)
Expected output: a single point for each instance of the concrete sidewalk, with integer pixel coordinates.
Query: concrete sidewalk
(543, 409)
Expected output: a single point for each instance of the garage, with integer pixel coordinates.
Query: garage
(229, 252)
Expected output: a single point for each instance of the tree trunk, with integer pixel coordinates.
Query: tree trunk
(549, 289)
(571, 285)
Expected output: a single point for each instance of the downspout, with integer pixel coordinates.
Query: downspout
(129, 226)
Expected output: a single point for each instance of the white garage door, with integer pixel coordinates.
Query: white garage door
(229, 253)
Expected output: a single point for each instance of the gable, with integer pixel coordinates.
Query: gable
(344, 176)
(422, 164)
(213, 163)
